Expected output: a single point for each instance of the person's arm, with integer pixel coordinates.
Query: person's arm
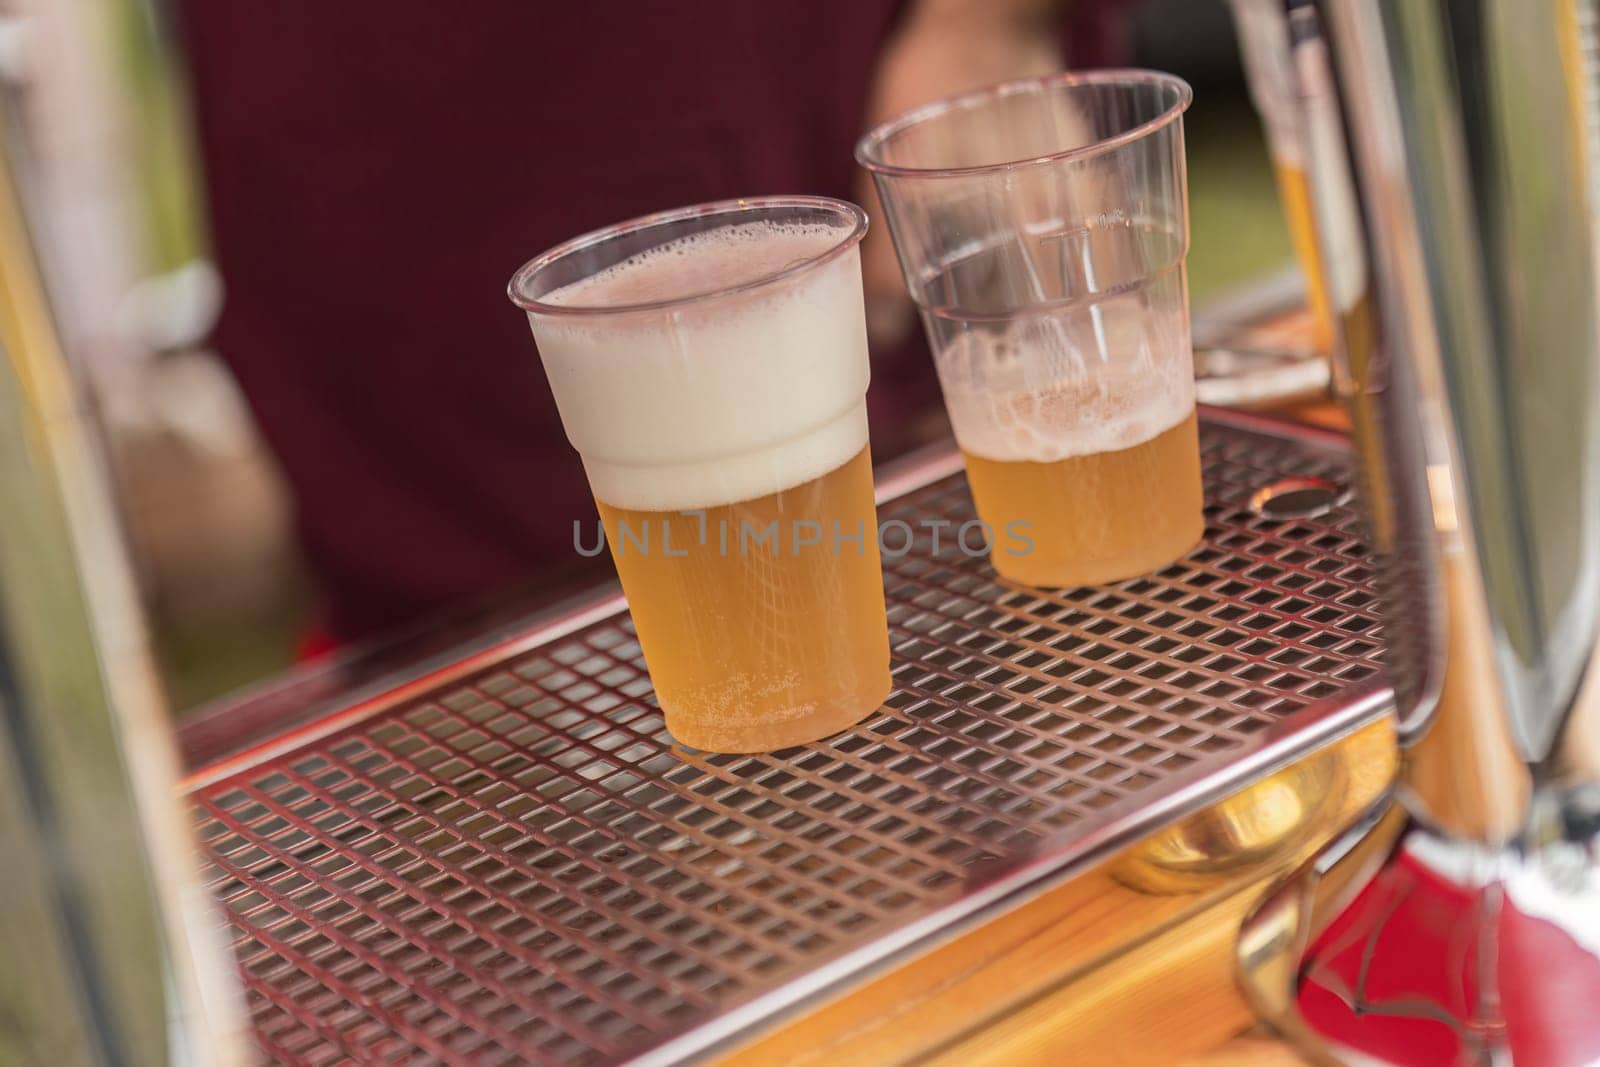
(941, 48)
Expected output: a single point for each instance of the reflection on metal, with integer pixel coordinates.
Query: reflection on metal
(1240, 377)
(1236, 833)
(1291, 498)
(1275, 936)
(107, 950)
(524, 824)
(1379, 392)
(1472, 368)
(1300, 807)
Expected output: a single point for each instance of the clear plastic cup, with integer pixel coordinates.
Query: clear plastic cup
(1041, 226)
(710, 367)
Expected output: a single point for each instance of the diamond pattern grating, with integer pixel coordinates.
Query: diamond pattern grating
(520, 866)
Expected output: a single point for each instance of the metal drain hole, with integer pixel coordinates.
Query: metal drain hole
(1297, 498)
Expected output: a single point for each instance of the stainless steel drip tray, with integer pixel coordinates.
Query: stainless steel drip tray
(511, 861)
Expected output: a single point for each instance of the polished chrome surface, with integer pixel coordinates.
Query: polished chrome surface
(1253, 377)
(1288, 56)
(108, 951)
(513, 861)
(1472, 362)
(1473, 152)
(1272, 944)
(1394, 430)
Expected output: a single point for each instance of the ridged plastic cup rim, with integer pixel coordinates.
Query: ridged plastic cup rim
(753, 208)
(870, 145)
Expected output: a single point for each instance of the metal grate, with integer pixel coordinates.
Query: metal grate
(518, 865)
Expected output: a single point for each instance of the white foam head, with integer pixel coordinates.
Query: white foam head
(713, 401)
(1046, 388)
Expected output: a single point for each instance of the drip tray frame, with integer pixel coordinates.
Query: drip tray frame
(500, 856)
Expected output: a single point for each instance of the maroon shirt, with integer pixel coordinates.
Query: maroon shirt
(377, 170)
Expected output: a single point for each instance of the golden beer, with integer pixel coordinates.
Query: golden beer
(1041, 226)
(768, 629)
(1080, 437)
(1295, 192)
(711, 369)
(1092, 518)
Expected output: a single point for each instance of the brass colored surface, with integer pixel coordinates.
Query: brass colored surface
(1248, 1051)
(1276, 933)
(1466, 776)
(1247, 829)
(1096, 970)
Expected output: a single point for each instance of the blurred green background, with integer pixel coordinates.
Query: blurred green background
(1237, 231)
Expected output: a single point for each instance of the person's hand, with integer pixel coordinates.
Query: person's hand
(944, 47)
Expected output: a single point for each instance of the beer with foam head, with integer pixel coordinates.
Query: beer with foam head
(1041, 227)
(713, 380)
(1079, 433)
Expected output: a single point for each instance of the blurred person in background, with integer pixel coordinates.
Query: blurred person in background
(376, 171)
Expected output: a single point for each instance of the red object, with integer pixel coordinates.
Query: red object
(313, 643)
(1390, 975)
(1395, 976)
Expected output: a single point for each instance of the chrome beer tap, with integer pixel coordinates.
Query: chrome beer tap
(1453, 154)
